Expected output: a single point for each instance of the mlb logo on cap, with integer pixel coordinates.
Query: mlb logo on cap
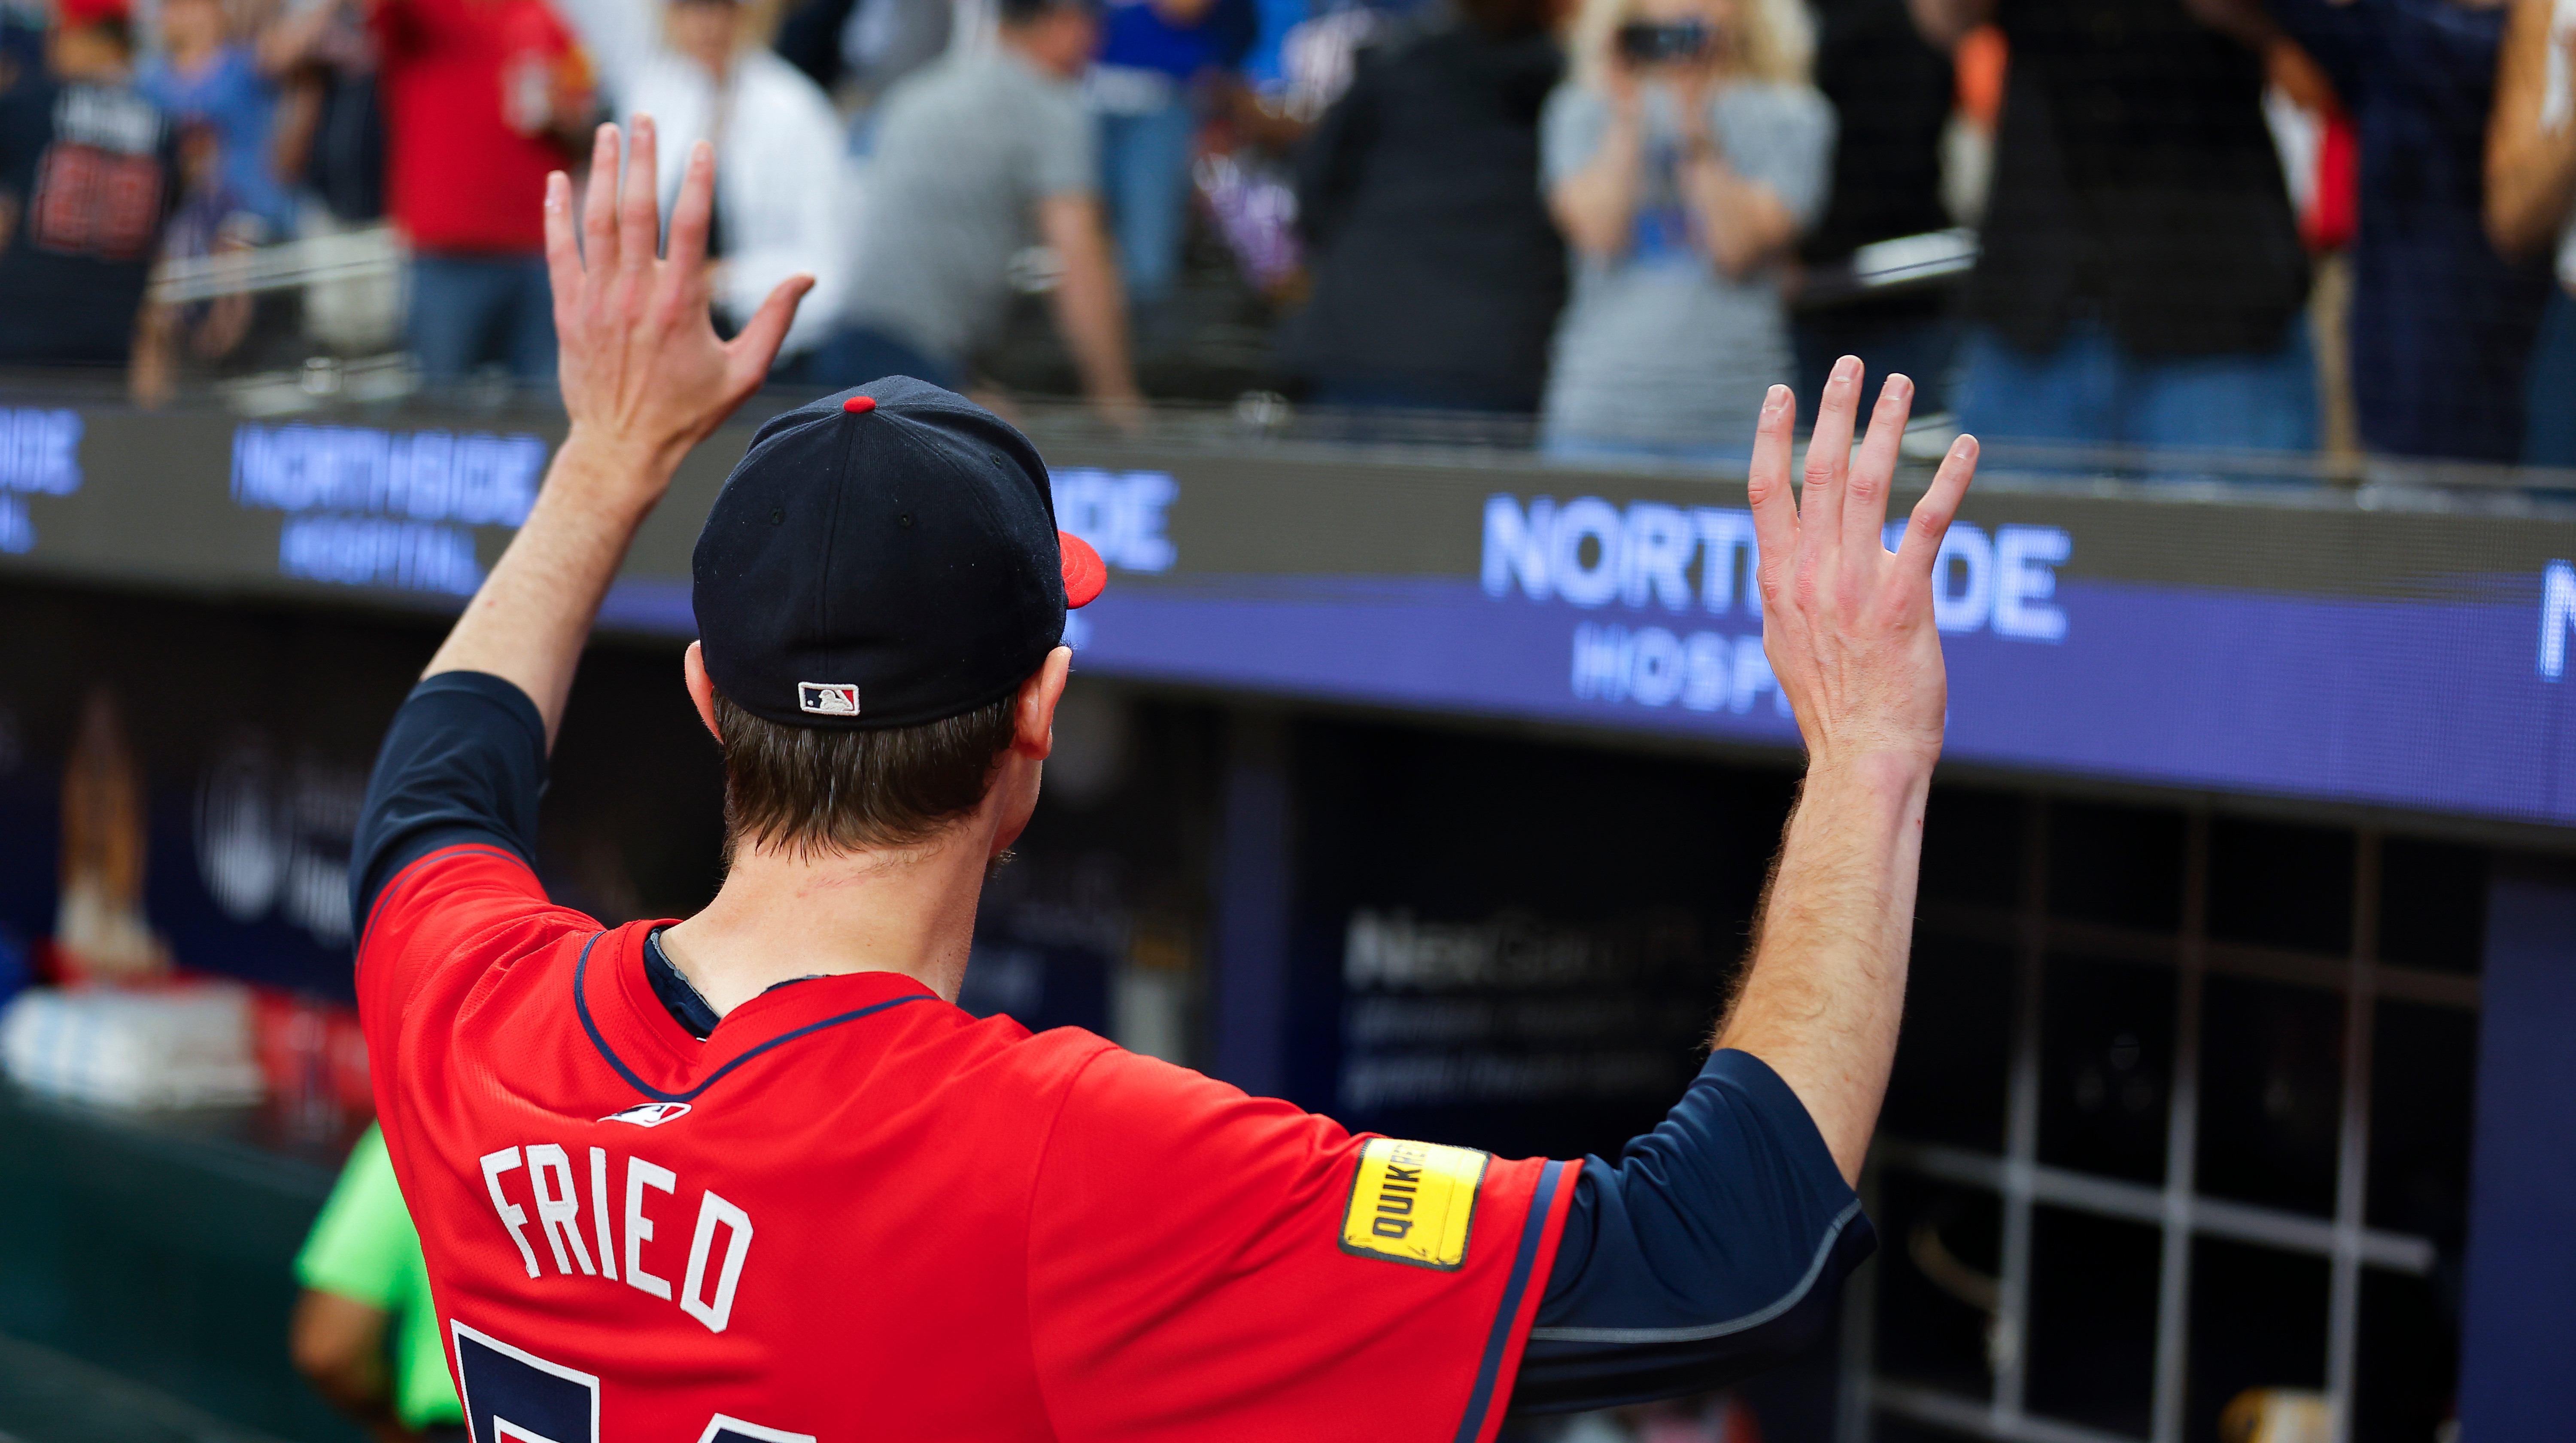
(825, 698)
(902, 539)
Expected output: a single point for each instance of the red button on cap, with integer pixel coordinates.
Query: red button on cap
(859, 405)
(1084, 573)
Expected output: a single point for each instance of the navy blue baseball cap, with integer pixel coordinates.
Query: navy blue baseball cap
(884, 557)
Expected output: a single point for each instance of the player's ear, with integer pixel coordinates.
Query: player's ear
(1033, 729)
(702, 690)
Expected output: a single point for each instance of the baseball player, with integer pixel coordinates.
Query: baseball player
(753, 1175)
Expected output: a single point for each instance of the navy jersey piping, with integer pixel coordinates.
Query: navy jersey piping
(399, 878)
(581, 1005)
(1489, 1368)
(1705, 1331)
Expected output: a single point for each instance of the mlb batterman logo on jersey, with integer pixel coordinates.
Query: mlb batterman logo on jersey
(648, 1114)
(827, 698)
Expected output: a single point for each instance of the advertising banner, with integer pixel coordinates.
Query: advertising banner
(2289, 641)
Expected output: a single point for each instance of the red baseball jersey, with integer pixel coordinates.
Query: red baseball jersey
(857, 1212)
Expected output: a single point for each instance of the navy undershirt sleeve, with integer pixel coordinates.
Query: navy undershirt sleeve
(1713, 1249)
(464, 761)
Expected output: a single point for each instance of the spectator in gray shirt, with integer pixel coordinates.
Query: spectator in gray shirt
(977, 157)
(1682, 161)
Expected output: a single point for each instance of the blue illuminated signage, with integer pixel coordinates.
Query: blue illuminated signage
(385, 508)
(2245, 642)
(39, 456)
(1121, 513)
(2557, 613)
(1648, 556)
(1639, 614)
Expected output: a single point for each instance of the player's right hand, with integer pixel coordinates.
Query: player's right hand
(644, 375)
(1846, 623)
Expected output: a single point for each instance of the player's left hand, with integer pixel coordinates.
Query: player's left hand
(644, 375)
(1847, 623)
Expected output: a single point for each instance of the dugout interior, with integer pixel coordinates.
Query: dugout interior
(2231, 1073)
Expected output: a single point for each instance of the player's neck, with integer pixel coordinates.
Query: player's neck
(909, 910)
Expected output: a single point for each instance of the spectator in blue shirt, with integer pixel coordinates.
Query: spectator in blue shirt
(1151, 53)
(2441, 324)
(206, 77)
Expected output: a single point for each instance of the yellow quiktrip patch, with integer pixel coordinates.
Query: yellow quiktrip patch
(1412, 1202)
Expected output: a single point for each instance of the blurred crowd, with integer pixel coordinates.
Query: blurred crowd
(2273, 225)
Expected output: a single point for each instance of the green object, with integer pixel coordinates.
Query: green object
(364, 1248)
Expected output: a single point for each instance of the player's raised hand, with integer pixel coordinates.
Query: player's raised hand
(1847, 623)
(644, 374)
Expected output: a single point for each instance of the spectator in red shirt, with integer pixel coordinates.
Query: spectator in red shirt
(482, 98)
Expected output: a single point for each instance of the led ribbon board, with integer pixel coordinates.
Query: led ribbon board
(2282, 641)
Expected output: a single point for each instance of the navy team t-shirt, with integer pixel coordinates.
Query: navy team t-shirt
(91, 173)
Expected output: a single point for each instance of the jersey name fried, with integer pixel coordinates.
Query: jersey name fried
(707, 1288)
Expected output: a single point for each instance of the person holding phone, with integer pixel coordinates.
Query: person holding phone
(1682, 161)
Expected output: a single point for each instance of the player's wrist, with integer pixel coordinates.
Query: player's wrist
(1888, 770)
(616, 470)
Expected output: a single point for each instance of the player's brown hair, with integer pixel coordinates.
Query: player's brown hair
(816, 792)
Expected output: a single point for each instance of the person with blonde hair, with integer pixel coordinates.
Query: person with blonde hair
(1682, 160)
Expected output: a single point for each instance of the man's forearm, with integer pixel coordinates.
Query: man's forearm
(338, 1344)
(1848, 628)
(1741, 222)
(1597, 205)
(1825, 987)
(2531, 167)
(2530, 190)
(287, 43)
(1093, 316)
(528, 622)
